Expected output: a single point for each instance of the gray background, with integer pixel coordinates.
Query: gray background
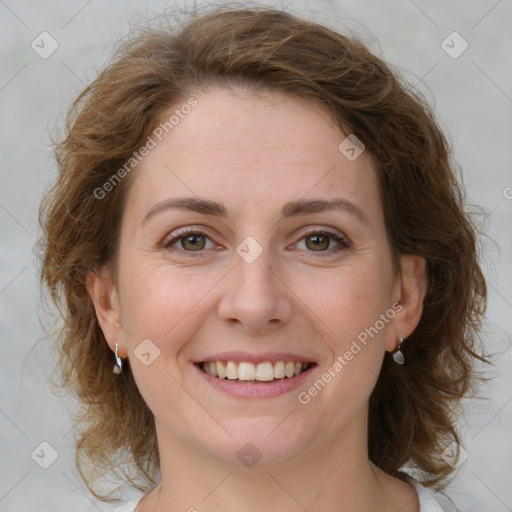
(472, 95)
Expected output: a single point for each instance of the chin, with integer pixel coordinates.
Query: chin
(263, 441)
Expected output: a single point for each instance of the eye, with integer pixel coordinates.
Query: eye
(188, 240)
(323, 241)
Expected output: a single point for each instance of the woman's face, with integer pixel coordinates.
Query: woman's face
(275, 253)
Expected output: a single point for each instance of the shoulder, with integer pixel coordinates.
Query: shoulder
(430, 501)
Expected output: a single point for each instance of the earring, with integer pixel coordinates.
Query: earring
(118, 367)
(398, 355)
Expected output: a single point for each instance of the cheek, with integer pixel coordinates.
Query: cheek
(161, 303)
(344, 305)
(346, 300)
(166, 308)
(349, 306)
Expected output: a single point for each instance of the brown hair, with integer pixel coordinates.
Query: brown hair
(412, 409)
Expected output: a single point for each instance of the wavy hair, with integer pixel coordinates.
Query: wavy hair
(413, 408)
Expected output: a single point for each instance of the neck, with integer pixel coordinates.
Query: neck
(335, 475)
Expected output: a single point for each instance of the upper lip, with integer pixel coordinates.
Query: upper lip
(239, 356)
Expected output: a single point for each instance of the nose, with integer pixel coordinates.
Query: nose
(256, 298)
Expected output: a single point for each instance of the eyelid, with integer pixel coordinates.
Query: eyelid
(341, 239)
(183, 232)
(312, 230)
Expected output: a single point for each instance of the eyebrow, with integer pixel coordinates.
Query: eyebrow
(305, 207)
(194, 204)
(291, 209)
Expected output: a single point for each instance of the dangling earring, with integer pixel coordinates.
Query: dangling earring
(398, 355)
(118, 367)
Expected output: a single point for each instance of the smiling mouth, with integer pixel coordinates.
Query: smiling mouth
(247, 372)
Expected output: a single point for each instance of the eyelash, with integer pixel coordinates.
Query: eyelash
(342, 242)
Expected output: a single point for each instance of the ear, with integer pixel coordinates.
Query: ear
(410, 290)
(105, 298)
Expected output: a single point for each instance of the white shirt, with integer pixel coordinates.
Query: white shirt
(429, 502)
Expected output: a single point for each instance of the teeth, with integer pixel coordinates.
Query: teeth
(231, 370)
(279, 370)
(245, 371)
(264, 372)
(221, 371)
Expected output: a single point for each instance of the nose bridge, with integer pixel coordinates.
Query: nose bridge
(254, 297)
(256, 274)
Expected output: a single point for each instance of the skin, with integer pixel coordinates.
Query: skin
(253, 153)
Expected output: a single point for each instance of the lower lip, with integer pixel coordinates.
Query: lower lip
(259, 390)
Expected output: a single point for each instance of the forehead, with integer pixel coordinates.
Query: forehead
(253, 150)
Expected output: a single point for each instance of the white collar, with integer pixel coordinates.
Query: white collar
(430, 502)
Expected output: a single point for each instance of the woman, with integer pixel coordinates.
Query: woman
(271, 288)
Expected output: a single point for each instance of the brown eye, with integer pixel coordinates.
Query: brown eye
(323, 243)
(318, 242)
(193, 242)
(188, 241)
